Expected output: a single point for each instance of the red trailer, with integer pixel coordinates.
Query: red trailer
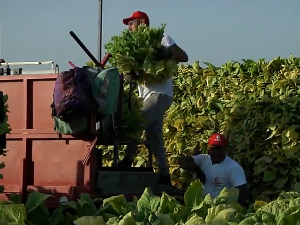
(40, 159)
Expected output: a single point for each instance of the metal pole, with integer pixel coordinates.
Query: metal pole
(100, 17)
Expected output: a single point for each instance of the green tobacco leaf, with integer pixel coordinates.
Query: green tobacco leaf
(119, 204)
(90, 220)
(167, 204)
(128, 219)
(57, 216)
(39, 215)
(227, 196)
(267, 218)
(35, 199)
(281, 182)
(222, 217)
(15, 198)
(259, 204)
(215, 210)
(148, 202)
(292, 215)
(12, 214)
(195, 220)
(69, 219)
(86, 206)
(193, 196)
(268, 175)
(165, 219)
(249, 221)
(297, 187)
(180, 214)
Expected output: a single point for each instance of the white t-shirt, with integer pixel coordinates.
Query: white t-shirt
(227, 174)
(163, 88)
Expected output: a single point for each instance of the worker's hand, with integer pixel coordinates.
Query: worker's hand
(140, 73)
(200, 175)
(134, 75)
(187, 163)
(162, 53)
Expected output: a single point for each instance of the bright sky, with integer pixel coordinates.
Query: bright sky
(215, 31)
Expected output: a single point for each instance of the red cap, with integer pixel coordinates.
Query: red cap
(217, 139)
(137, 15)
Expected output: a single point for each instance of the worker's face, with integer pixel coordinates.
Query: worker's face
(217, 153)
(133, 24)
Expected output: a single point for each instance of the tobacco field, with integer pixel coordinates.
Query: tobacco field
(255, 104)
(154, 210)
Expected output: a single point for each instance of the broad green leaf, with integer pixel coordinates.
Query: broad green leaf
(249, 221)
(86, 206)
(167, 204)
(227, 196)
(15, 198)
(57, 216)
(34, 200)
(297, 187)
(181, 214)
(281, 182)
(195, 220)
(13, 214)
(90, 220)
(215, 210)
(165, 219)
(259, 204)
(193, 195)
(119, 204)
(148, 201)
(128, 219)
(223, 217)
(292, 214)
(268, 175)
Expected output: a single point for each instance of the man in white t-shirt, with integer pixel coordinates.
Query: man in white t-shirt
(219, 170)
(157, 100)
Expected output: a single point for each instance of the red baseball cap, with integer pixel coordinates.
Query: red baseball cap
(217, 140)
(137, 15)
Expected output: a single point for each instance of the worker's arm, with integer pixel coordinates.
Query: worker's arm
(178, 55)
(172, 51)
(238, 180)
(193, 164)
(187, 163)
(243, 196)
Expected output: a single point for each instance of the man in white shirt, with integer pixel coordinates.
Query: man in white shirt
(157, 100)
(219, 169)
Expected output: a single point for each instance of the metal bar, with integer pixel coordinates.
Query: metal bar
(100, 29)
(72, 64)
(84, 48)
(35, 72)
(2, 120)
(26, 63)
(105, 59)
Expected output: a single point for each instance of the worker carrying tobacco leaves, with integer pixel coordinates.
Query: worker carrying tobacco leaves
(157, 98)
(216, 170)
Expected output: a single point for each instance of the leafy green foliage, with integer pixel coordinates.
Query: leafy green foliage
(255, 104)
(150, 209)
(133, 51)
(4, 128)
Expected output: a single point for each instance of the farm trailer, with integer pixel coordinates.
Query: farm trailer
(40, 159)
